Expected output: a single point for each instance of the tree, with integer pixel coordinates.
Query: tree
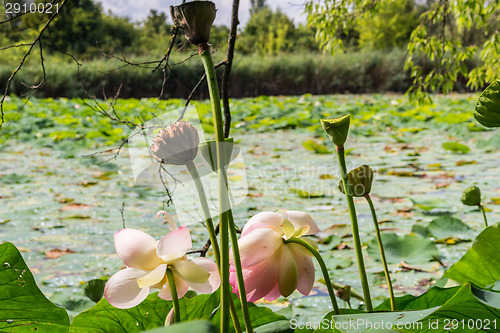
(438, 39)
(257, 5)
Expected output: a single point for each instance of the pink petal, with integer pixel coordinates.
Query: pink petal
(288, 275)
(153, 277)
(273, 294)
(122, 290)
(299, 219)
(258, 245)
(261, 279)
(174, 245)
(137, 249)
(190, 272)
(305, 268)
(213, 281)
(180, 286)
(263, 220)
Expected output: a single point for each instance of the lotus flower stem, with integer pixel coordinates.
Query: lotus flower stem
(224, 204)
(211, 231)
(355, 230)
(205, 209)
(484, 214)
(175, 299)
(239, 273)
(382, 253)
(324, 270)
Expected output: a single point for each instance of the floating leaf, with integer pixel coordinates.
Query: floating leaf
(408, 248)
(56, 253)
(481, 264)
(447, 227)
(14, 178)
(23, 307)
(430, 204)
(456, 147)
(305, 194)
(316, 147)
(487, 111)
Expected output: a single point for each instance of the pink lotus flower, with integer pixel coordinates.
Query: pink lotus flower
(147, 262)
(272, 267)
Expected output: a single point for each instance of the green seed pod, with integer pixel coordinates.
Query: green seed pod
(337, 129)
(471, 196)
(359, 181)
(196, 19)
(487, 111)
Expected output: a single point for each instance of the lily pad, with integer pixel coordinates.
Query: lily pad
(409, 248)
(456, 147)
(316, 147)
(449, 227)
(481, 264)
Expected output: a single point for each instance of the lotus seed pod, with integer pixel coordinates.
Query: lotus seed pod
(337, 129)
(359, 181)
(471, 196)
(196, 19)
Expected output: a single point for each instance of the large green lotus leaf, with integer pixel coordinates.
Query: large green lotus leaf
(481, 264)
(447, 227)
(23, 307)
(428, 313)
(409, 248)
(433, 297)
(206, 307)
(196, 326)
(103, 317)
(152, 312)
(487, 111)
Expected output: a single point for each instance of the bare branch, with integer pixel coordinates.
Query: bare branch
(23, 60)
(227, 69)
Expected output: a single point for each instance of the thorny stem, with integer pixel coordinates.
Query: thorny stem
(224, 204)
(382, 252)
(175, 299)
(355, 231)
(484, 214)
(324, 270)
(211, 230)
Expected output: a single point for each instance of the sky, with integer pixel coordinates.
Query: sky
(139, 9)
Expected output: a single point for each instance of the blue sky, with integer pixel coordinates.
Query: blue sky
(139, 9)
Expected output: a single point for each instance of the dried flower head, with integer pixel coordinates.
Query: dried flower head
(177, 144)
(196, 19)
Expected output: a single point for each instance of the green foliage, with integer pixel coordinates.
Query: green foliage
(271, 32)
(481, 264)
(390, 26)
(456, 147)
(23, 307)
(442, 38)
(446, 227)
(487, 111)
(153, 311)
(410, 249)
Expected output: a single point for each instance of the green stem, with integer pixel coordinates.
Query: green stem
(355, 231)
(211, 231)
(484, 214)
(224, 204)
(324, 270)
(206, 211)
(382, 252)
(239, 273)
(175, 299)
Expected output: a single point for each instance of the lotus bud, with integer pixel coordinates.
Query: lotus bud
(337, 129)
(170, 318)
(209, 152)
(177, 144)
(344, 294)
(359, 181)
(196, 19)
(471, 196)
